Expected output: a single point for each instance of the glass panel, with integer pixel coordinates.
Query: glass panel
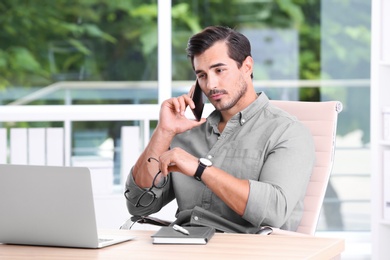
(82, 41)
(345, 55)
(66, 53)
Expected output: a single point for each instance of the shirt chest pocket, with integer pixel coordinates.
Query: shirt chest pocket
(242, 163)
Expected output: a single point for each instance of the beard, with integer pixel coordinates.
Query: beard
(240, 89)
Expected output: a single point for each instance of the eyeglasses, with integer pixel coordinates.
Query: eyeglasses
(148, 196)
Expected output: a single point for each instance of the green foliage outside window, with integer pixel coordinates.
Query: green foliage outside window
(45, 41)
(41, 39)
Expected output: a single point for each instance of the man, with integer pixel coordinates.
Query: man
(256, 160)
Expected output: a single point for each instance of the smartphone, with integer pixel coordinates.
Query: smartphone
(197, 97)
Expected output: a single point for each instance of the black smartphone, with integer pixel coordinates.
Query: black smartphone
(197, 97)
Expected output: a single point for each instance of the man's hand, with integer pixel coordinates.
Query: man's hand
(178, 160)
(172, 115)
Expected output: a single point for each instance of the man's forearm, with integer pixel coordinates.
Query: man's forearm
(234, 192)
(144, 172)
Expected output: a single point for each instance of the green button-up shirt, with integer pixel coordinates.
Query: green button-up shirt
(263, 144)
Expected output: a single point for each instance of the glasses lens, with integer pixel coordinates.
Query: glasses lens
(160, 180)
(146, 199)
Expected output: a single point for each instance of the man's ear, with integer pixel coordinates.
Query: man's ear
(247, 65)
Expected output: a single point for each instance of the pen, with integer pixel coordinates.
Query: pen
(181, 229)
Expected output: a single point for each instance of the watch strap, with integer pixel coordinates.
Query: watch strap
(199, 171)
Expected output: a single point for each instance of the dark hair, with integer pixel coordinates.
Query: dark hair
(238, 45)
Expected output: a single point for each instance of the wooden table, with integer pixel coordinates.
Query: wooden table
(221, 246)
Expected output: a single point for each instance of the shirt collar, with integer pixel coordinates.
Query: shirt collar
(245, 115)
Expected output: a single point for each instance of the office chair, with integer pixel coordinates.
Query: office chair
(321, 119)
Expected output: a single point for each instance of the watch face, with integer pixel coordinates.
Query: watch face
(205, 161)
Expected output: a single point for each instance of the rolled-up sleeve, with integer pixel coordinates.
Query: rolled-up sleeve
(278, 194)
(163, 196)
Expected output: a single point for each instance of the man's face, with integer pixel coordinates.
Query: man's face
(221, 80)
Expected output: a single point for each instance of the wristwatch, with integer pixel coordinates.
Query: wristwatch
(203, 163)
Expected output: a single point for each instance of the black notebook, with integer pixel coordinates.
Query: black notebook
(197, 235)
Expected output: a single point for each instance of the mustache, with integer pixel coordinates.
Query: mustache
(217, 91)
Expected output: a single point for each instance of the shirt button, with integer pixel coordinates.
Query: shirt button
(243, 121)
(196, 218)
(209, 157)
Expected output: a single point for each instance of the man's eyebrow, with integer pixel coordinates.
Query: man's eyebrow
(212, 66)
(217, 65)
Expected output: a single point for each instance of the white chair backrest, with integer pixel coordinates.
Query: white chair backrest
(321, 119)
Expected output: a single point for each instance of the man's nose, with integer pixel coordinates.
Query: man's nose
(212, 82)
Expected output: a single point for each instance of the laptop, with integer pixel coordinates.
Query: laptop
(49, 206)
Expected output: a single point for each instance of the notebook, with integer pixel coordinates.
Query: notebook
(49, 206)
